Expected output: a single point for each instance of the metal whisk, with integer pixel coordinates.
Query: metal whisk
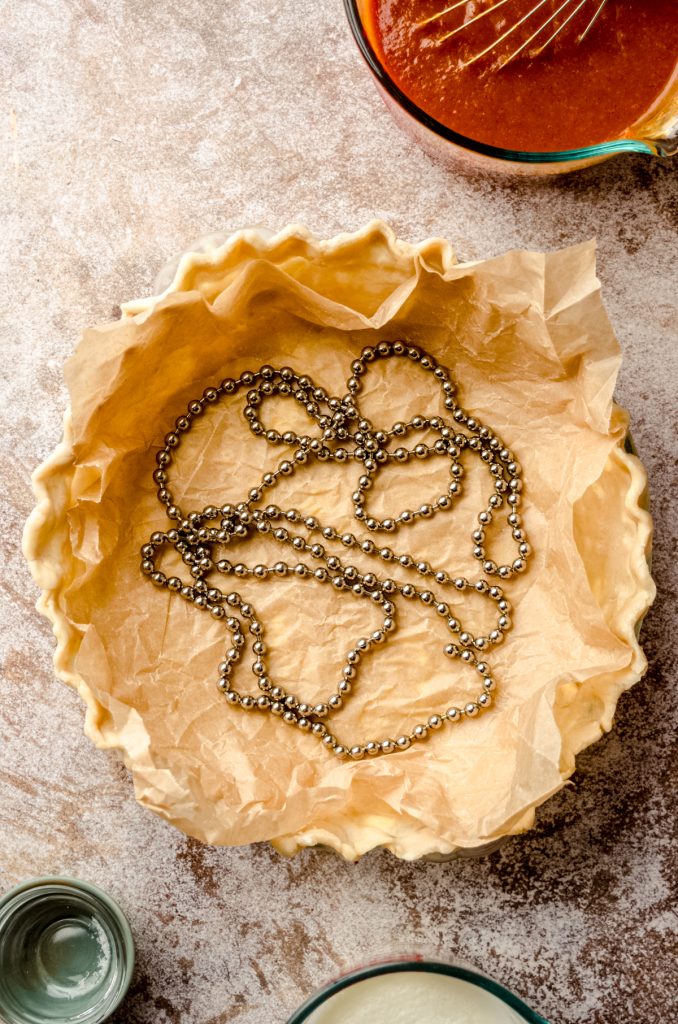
(568, 8)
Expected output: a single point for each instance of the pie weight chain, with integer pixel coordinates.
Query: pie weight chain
(343, 434)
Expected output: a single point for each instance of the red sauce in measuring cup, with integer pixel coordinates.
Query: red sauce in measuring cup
(571, 95)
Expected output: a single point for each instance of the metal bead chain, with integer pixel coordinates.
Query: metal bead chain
(344, 435)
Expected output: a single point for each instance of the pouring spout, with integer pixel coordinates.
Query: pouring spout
(664, 147)
(667, 146)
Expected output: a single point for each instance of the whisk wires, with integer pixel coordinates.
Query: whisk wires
(574, 7)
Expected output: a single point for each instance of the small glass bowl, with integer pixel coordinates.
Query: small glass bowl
(420, 964)
(66, 953)
(441, 142)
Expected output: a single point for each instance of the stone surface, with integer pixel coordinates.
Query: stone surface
(128, 130)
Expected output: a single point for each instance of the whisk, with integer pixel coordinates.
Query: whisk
(568, 8)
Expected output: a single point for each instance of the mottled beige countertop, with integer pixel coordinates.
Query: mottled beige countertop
(129, 129)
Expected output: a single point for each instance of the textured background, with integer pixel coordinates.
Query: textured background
(128, 129)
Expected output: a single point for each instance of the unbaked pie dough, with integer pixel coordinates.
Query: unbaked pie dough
(527, 339)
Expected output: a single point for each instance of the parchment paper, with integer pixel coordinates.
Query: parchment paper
(526, 338)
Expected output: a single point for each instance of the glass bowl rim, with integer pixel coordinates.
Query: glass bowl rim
(424, 965)
(601, 149)
(64, 883)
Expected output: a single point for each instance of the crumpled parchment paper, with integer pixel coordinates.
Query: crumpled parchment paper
(526, 338)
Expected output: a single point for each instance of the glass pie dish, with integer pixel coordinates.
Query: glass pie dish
(655, 135)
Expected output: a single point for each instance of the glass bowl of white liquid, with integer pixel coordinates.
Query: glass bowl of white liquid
(401, 991)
